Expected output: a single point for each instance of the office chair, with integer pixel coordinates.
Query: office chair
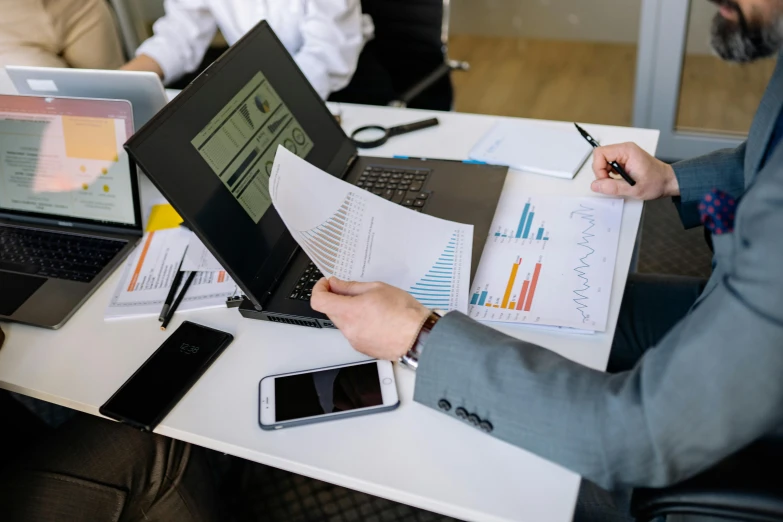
(409, 53)
(747, 486)
(130, 24)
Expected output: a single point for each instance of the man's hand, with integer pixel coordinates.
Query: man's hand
(377, 319)
(654, 178)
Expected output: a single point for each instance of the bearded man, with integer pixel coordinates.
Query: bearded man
(696, 369)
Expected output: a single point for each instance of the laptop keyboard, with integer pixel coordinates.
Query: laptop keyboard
(50, 254)
(406, 187)
(304, 287)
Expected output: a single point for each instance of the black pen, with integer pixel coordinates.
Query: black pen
(174, 306)
(616, 166)
(172, 291)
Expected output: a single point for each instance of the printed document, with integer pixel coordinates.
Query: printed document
(548, 261)
(150, 271)
(355, 235)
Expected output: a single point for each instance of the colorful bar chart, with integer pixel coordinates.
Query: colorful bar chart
(525, 229)
(512, 301)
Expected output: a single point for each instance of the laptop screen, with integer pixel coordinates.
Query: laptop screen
(62, 158)
(210, 152)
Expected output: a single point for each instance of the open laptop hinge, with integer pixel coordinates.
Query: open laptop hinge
(349, 166)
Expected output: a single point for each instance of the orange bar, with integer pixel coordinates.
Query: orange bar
(510, 285)
(221, 276)
(533, 284)
(512, 305)
(495, 306)
(522, 295)
(489, 305)
(135, 277)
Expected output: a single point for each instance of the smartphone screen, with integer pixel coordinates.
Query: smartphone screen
(166, 376)
(332, 390)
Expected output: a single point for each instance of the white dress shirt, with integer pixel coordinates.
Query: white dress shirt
(325, 37)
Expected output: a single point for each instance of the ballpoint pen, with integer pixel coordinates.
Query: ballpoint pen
(177, 301)
(616, 166)
(172, 292)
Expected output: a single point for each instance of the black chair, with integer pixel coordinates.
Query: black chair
(747, 486)
(406, 64)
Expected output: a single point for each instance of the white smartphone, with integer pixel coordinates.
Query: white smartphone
(324, 394)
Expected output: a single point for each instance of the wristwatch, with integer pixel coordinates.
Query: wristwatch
(411, 359)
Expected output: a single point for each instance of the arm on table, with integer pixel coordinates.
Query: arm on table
(181, 39)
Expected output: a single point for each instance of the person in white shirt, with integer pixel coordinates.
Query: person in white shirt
(325, 37)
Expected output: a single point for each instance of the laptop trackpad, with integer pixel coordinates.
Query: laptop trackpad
(17, 288)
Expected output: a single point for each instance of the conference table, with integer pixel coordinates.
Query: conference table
(414, 455)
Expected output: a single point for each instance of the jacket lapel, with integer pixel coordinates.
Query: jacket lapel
(764, 123)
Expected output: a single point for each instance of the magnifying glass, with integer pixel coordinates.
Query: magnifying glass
(373, 136)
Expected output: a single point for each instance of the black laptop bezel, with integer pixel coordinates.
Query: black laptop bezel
(70, 222)
(260, 288)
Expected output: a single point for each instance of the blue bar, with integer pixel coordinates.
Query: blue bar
(483, 298)
(522, 221)
(475, 299)
(540, 234)
(497, 234)
(527, 226)
(546, 239)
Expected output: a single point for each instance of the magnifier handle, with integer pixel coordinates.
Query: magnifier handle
(411, 127)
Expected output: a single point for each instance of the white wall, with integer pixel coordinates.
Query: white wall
(593, 20)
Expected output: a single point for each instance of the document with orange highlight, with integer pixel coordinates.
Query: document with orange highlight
(149, 273)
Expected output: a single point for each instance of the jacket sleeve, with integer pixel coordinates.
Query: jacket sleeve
(723, 169)
(711, 386)
(333, 38)
(181, 37)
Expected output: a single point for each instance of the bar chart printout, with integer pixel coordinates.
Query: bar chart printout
(561, 274)
(526, 229)
(357, 236)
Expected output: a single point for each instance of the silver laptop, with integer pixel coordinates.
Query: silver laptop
(69, 203)
(143, 89)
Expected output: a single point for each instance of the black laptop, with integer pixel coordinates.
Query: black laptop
(69, 203)
(210, 152)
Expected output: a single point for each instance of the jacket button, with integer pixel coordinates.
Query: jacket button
(462, 413)
(474, 419)
(486, 426)
(444, 405)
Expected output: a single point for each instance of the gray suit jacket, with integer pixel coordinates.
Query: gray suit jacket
(713, 385)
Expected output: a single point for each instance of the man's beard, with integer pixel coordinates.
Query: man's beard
(744, 40)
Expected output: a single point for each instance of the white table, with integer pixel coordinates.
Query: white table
(414, 455)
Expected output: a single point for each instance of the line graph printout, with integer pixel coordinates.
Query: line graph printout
(561, 275)
(355, 235)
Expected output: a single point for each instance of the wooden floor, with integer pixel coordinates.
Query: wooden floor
(594, 82)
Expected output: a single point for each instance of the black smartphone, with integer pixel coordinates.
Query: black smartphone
(155, 388)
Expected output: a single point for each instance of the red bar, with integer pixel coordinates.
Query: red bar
(522, 295)
(533, 284)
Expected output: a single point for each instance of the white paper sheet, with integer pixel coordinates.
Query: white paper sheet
(198, 258)
(150, 271)
(548, 261)
(355, 235)
(553, 151)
